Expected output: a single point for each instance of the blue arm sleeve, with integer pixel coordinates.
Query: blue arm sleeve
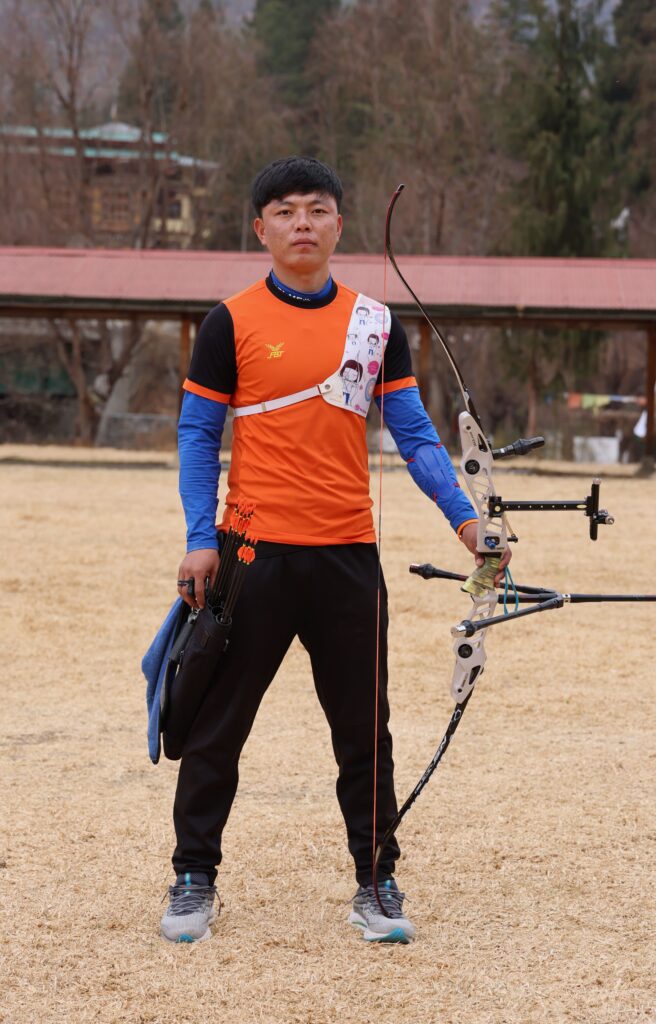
(427, 459)
(199, 440)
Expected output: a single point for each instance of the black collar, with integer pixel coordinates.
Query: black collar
(301, 303)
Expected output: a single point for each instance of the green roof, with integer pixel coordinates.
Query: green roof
(114, 132)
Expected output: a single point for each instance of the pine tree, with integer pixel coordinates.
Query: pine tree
(285, 30)
(553, 128)
(628, 83)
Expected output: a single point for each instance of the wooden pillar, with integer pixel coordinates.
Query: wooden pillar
(185, 352)
(650, 441)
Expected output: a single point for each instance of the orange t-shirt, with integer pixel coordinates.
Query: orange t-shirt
(306, 465)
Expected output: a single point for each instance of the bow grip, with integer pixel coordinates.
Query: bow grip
(481, 580)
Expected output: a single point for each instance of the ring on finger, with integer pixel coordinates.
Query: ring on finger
(190, 584)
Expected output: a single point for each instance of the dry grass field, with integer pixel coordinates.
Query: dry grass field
(528, 860)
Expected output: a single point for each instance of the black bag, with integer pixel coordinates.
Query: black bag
(203, 637)
(190, 672)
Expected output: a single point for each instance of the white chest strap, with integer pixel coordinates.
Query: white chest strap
(279, 403)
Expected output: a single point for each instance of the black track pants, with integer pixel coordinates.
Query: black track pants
(328, 597)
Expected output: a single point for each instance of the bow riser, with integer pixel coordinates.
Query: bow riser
(470, 654)
(476, 465)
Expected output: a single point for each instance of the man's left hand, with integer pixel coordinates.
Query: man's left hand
(469, 538)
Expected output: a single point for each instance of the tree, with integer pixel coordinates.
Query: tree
(551, 121)
(94, 362)
(551, 118)
(628, 84)
(285, 30)
(149, 84)
(53, 76)
(397, 96)
(153, 35)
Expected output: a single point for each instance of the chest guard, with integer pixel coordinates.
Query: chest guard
(351, 385)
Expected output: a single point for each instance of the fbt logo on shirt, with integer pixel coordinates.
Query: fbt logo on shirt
(275, 351)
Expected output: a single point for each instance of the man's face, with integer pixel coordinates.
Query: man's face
(300, 231)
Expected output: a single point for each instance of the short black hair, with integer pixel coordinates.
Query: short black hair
(302, 174)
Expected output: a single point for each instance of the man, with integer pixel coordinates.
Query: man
(299, 357)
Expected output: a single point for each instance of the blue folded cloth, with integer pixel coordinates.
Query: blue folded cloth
(153, 666)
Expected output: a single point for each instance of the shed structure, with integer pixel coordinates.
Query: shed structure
(97, 283)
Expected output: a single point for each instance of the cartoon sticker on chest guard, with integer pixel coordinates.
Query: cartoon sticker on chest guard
(352, 386)
(351, 374)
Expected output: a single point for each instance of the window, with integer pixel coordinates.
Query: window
(115, 209)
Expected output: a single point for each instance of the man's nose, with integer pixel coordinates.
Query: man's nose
(302, 221)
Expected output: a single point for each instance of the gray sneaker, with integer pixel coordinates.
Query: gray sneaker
(190, 912)
(376, 927)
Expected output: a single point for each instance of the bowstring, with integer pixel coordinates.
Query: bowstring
(374, 830)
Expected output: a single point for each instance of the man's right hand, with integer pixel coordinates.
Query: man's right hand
(197, 565)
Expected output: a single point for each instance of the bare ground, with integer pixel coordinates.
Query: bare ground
(528, 860)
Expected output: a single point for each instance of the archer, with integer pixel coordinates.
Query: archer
(299, 450)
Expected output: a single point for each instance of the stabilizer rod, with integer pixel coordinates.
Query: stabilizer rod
(538, 594)
(521, 447)
(468, 628)
(429, 572)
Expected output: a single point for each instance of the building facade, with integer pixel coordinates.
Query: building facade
(111, 186)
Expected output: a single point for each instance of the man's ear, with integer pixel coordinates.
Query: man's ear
(258, 228)
(340, 224)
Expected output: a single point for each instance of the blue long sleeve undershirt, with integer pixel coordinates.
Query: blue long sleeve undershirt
(199, 441)
(427, 460)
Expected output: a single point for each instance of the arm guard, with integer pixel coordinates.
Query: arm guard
(427, 459)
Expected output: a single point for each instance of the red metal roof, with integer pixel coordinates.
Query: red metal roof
(159, 282)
